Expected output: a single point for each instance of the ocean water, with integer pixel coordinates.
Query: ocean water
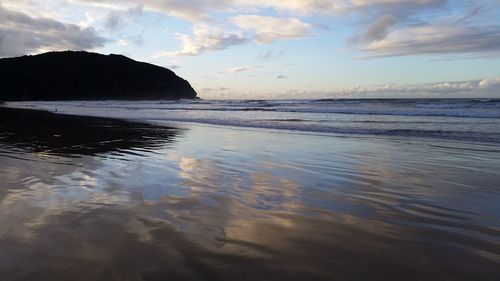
(459, 119)
(250, 190)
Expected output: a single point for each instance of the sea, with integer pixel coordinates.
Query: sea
(458, 119)
(332, 189)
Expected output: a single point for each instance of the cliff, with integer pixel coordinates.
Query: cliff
(87, 76)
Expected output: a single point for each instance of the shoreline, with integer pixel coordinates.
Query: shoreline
(186, 124)
(150, 115)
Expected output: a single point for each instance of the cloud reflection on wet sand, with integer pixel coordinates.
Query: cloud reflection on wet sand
(207, 204)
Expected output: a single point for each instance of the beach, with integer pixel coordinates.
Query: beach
(93, 198)
(230, 140)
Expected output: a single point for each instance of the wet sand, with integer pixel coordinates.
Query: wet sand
(101, 199)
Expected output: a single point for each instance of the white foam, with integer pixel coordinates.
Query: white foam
(432, 119)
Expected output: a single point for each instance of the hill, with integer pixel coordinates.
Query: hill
(73, 75)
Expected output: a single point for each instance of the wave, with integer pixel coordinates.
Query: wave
(448, 119)
(489, 108)
(403, 112)
(296, 126)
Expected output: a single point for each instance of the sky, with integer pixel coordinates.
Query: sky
(258, 49)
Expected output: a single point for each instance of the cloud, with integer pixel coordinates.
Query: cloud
(269, 29)
(126, 24)
(436, 39)
(385, 4)
(406, 28)
(205, 39)
(387, 27)
(21, 34)
(384, 27)
(241, 69)
(484, 87)
(202, 11)
(270, 55)
(118, 19)
(378, 30)
(297, 6)
(216, 93)
(190, 10)
(173, 66)
(195, 11)
(490, 84)
(220, 89)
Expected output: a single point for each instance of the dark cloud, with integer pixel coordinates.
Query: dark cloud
(21, 34)
(436, 39)
(380, 28)
(403, 28)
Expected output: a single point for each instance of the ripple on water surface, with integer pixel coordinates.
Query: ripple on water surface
(101, 199)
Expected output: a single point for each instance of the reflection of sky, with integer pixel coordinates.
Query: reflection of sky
(301, 199)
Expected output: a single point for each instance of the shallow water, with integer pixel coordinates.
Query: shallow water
(452, 119)
(99, 199)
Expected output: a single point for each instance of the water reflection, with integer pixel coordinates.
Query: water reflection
(46, 133)
(208, 204)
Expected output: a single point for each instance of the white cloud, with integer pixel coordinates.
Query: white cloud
(205, 39)
(270, 29)
(122, 42)
(297, 6)
(190, 10)
(490, 84)
(486, 88)
(365, 3)
(480, 88)
(241, 69)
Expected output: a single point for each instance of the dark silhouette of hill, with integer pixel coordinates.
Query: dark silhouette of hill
(73, 75)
